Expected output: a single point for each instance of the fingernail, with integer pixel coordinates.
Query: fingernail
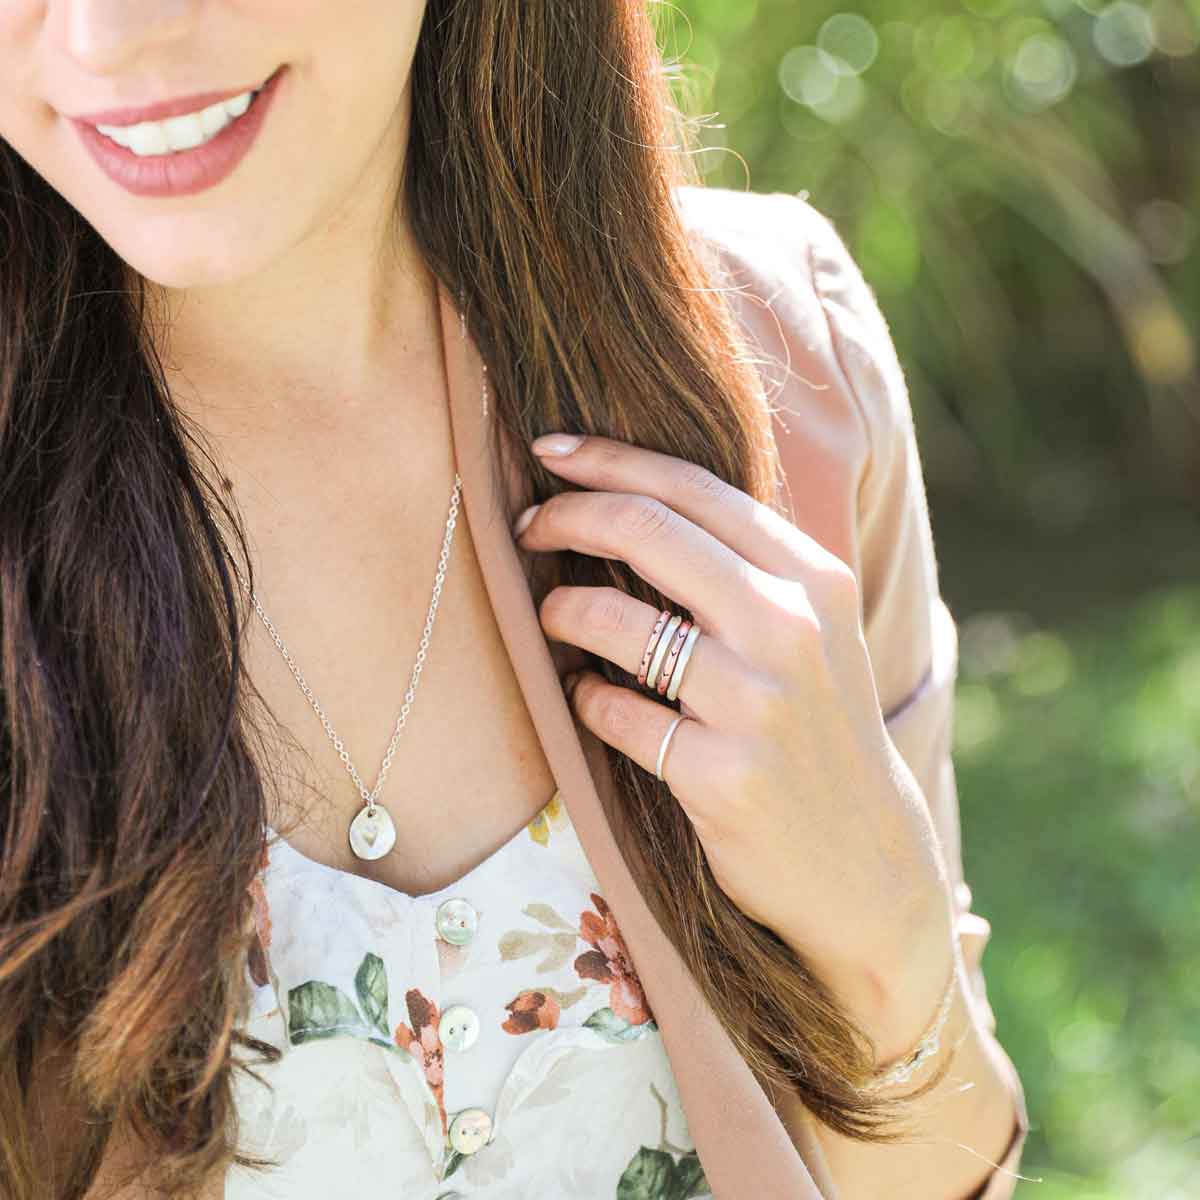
(522, 522)
(556, 443)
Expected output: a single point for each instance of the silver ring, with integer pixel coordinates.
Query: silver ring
(685, 652)
(662, 749)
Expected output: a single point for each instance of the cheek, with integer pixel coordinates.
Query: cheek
(28, 123)
(21, 114)
(361, 56)
(345, 124)
(20, 18)
(335, 121)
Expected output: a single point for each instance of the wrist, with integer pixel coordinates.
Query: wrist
(895, 998)
(924, 988)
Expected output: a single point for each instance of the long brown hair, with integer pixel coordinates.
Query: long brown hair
(544, 152)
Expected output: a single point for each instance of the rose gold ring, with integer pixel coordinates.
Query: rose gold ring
(663, 618)
(660, 650)
(664, 675)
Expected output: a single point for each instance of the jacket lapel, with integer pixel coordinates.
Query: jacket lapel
(743, 1145)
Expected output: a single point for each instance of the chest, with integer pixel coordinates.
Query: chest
(350, 590)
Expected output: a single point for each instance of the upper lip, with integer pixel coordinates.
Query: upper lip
(164, 108)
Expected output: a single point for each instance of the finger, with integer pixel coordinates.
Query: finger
(635, 724)
(617, 626)
(729, 596)
(750, 528)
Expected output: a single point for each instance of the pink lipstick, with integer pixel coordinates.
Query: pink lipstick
(178, 172)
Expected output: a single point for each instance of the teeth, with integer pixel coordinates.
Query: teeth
(213, 119)
(238, 104)
(179, 133)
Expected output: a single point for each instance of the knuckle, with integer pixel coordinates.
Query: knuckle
(805, 633)
(842, 587)
(798, 641)
(606, 610)
(613, 713)
(702, 483)
(642, 518)
(605, 456)
(799, 620)
(790, 623)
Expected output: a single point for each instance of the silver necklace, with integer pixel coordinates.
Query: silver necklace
(372, 832)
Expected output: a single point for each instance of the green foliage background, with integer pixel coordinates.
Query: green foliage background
(1020, 182)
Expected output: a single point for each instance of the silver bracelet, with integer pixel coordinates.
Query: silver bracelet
(926, 1048)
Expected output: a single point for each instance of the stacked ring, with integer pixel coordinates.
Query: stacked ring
(662, 620)
(664, 673)
(667, 652)
(660, 650)
(685, 653)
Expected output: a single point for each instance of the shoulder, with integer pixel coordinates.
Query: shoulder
(822, 345)
(780, 252)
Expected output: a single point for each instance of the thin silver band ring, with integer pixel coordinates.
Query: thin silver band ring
(662, 749)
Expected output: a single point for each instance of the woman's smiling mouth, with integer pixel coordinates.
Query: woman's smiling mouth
(177, 153)
(180, 133)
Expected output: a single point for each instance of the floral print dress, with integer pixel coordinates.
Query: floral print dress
(490, 1039)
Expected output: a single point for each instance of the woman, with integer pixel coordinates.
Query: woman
(287, 293)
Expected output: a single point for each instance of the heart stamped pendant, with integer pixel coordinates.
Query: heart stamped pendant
(372, 835)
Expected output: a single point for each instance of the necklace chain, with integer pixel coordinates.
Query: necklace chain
(370, 796)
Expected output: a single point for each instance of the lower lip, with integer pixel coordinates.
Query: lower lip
(183, 172)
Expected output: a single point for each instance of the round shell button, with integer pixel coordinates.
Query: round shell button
(458, 1027)
(470, 1130)
(456, 921)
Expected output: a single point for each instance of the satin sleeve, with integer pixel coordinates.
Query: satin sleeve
(911, 634)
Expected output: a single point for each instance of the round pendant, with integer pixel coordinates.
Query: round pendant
(372, 836)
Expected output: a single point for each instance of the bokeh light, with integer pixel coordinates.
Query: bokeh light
(851, 40)
(1042, 71)
(1124, 33)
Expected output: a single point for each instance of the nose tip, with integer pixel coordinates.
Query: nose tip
(107, 36)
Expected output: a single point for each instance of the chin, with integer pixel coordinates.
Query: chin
(193, 251)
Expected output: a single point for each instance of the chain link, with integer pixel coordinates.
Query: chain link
(370, 796)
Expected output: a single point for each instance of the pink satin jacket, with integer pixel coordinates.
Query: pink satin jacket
(844, 427)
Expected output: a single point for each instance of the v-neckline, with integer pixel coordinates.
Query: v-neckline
(463, 883)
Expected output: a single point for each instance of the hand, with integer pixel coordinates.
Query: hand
(812, 823)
